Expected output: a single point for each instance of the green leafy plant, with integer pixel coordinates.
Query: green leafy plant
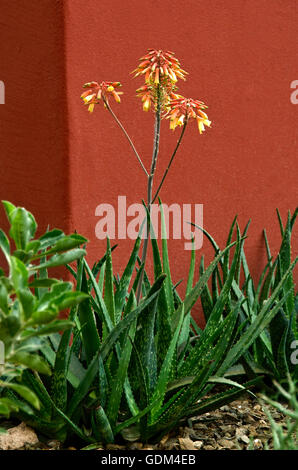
(143, 387)
(284, 438)
(139, 370)
(30, 302)
(271, 351)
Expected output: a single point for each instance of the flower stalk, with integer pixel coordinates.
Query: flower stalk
(161, 71)
(170, 162)
(149, 188)
(108, 107)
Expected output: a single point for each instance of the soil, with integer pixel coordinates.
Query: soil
(238, 426)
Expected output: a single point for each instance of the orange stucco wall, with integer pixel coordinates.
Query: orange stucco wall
(61, 163)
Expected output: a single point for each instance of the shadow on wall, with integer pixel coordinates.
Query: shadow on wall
(33, 127)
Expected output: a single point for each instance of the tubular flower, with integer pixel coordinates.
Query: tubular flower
(159, 66)
(146, 94)
(150, 95)
(97, 91)
(161, 70)
(181, 109)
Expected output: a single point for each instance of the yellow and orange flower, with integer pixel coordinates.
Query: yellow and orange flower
(161, 70)
(159, 66)
(145, 93)
(151, 96)
(182, 109)
(96, 91)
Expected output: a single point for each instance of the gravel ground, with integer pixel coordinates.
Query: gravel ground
(238, 426)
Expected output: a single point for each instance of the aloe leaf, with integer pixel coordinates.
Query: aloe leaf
(203, 350)
(262, 320)
(104, 351)
(96, 268)
(186, 322)
(163, 310)
(280, 223)
(104, 426)
(133, 419)
(294, 216)
(206, 299)
(34, 383)
(102, 277)
(225, 292)
(145, 339)
(256, 300)
(285, 261)
(122, 290)
(118, 382)
(192, 297)
(281, 363)
(102, 309)
(242, 241)
(166, 263)
(214, 285)
(90, 337)
(227, 255)
(84, 386)
(161, 385)
(191, 270)
(219, 399)
(269, 257)
(224, 380)
(61, 366)
(268, 282)
(109, 284)
(209, 366)
(73, 426)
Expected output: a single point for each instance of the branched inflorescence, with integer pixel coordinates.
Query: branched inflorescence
(161, 71)
(97, 91)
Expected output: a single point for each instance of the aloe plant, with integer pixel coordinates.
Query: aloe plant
(139, 370)
(271, 351)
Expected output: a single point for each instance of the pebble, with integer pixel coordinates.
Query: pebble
(258, 444)
(198, 444)
(226, 443)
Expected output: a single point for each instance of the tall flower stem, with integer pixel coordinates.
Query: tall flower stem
(170, 162)
(149, 189)
(126, 135)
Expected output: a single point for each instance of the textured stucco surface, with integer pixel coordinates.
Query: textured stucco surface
(61, 162)
(33, 129)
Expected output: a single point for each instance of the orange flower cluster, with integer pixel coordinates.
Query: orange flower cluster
(161, 70)
(97, 91)
(181, 109)
(159, 66)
